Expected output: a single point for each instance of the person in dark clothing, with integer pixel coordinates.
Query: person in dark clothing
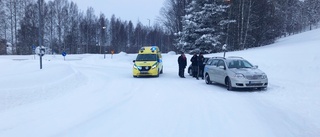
(201, 64)
(195, 65)
(182, 61)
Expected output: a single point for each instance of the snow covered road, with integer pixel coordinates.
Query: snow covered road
(88, 96)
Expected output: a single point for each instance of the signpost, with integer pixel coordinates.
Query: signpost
(42, 51)
(64, 54)
(224, 48)
(112, 52)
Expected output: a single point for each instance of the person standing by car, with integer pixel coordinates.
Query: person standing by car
(201, 65)
(194, 63)
(182, 61)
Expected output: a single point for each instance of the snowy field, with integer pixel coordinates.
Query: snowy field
(89, 96)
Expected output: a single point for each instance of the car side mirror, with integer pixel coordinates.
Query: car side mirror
(134, 61)
(222, 67)
(256, 66)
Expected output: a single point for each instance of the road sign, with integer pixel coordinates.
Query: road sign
(64, 53)
(42, 52)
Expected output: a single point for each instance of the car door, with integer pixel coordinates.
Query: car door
(212, 69)
(220, 72)
(208, 67)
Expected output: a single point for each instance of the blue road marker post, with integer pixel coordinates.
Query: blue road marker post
(64, 54)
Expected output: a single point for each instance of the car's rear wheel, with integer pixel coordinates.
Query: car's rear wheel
(229, 84)
(207, 79)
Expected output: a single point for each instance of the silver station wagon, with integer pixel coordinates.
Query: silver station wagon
(234, 72)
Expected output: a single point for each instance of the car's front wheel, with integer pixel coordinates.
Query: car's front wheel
(207, 79)
(161, 72)
(158, 73)
(229, 84)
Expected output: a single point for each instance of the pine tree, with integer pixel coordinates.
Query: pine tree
(187, 37)
(312, 12)
(2, 21)
(212, 21)
(28, 33)
(203, 27)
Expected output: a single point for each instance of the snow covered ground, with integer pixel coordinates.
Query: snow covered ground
(88, 96)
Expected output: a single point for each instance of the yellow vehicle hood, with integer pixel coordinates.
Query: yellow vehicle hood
(145, 63)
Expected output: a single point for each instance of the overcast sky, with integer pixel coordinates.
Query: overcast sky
(134, 10)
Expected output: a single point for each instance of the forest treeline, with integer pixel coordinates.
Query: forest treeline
(183, 25)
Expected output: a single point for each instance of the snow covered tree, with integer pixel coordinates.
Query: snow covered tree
(212, 21)
(13, 11)
(2, 21)
(187, 37)
(130, 32)
(28, 33)
(89, 31)
(71, 32)
(61, 11)
(172, 14)
(312, 10)
(203, 27)
(123, 37)
(50, 29)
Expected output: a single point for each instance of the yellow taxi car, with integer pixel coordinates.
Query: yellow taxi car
(148, 62)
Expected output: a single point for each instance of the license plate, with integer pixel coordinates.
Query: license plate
(144, 72)
(254, 82)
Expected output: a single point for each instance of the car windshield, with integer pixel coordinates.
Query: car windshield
(146, 57)
(239, 64)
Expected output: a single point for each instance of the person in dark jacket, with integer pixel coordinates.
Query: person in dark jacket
(201, 64)
(182, 61)
(195, 65)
